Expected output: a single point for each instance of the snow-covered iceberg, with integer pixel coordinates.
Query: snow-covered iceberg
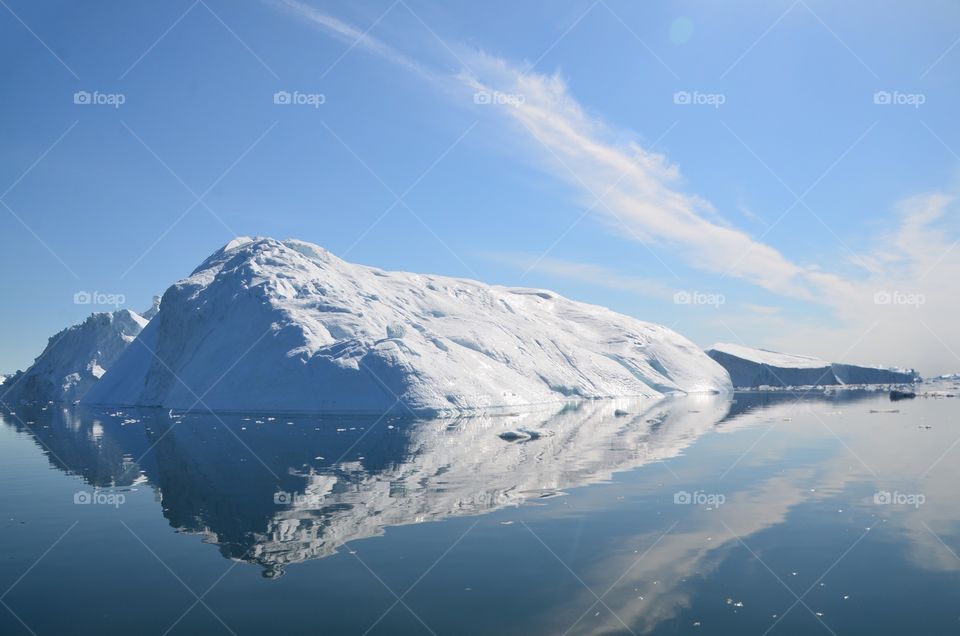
(75, 359)
(749, 367)
(267, 325)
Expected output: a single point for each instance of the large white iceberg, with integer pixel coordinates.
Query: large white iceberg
(268, 325)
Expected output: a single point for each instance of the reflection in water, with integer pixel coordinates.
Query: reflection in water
(797, 479)
(276, 491)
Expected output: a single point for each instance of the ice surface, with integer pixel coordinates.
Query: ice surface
(267, 325)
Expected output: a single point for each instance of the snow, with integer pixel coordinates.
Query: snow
(749, 367)
(772, 358)
(75, 359)
(267, 325)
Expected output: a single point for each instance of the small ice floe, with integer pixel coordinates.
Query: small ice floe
(524, 435)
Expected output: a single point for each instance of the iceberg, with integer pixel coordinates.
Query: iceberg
(74, 359)
(285, 326)
(752, 368)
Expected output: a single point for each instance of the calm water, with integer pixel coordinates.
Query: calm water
(749, 515)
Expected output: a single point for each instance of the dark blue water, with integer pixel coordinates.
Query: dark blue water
(752, 515)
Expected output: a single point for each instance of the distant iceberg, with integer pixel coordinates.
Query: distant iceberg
(751, 368)
(74, 359)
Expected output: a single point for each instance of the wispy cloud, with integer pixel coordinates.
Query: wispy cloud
(643, 195)
(353, 37)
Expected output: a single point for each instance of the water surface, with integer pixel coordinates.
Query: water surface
(752, 513)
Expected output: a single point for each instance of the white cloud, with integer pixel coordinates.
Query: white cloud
(354, 37)
(643, 194)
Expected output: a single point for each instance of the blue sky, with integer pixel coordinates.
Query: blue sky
(789, 168)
